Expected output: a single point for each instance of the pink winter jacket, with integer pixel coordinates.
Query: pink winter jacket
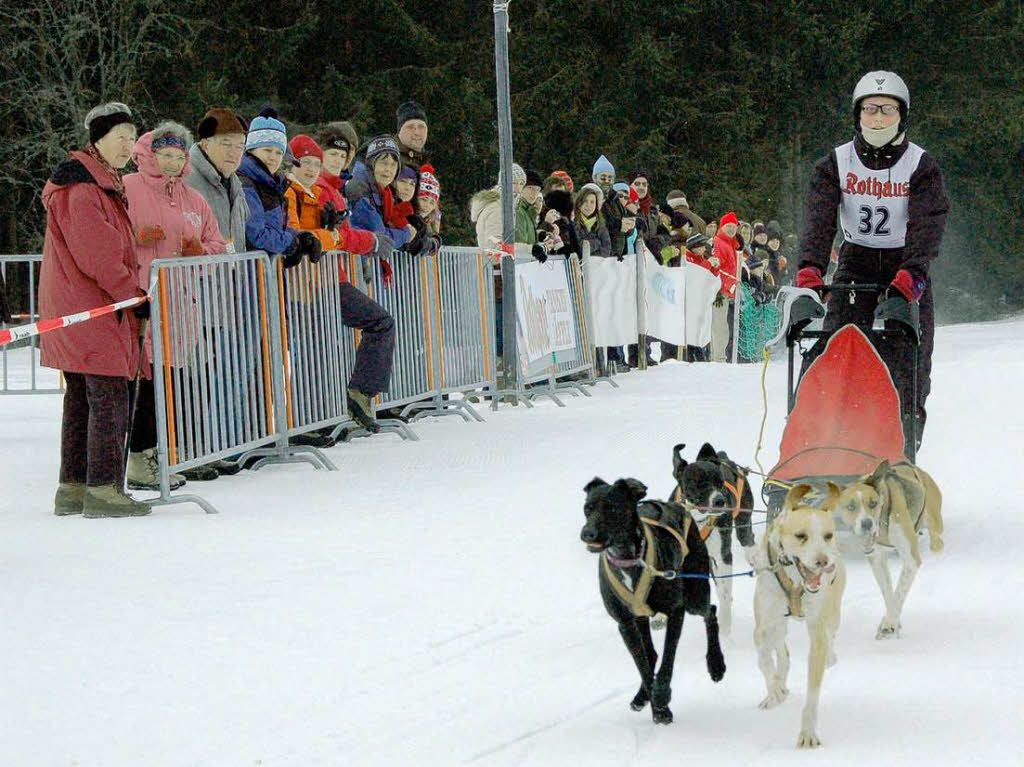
(181, 212)
(88, 262)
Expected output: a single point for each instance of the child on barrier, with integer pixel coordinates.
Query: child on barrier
(170, 219)
(428, 199)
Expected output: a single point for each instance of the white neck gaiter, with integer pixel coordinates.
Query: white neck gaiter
(881, 136)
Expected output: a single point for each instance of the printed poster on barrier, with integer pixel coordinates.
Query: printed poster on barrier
(665, 291)
(611, 286)
(545, 324)
(701, 289)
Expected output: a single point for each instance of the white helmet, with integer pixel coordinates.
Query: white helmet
(883, 84)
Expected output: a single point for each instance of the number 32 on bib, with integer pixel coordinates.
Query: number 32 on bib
(874, 207)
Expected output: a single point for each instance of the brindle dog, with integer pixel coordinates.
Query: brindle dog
(642, 542)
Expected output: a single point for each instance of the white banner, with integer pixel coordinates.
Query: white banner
(701, 288)
(611, 285)
(544, 312)
(665, 291)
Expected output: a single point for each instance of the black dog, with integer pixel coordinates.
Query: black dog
(711, 484)
(642, 546)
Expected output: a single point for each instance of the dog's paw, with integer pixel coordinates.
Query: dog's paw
(659, 621)
(936, 543)
(888, 629)
(775, 696)
(808, 740)
(640, 699)
(662, 715)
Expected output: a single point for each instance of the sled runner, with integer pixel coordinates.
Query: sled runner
(845, 415)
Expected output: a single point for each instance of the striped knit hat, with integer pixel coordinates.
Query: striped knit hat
(266, 130)
(429, 185)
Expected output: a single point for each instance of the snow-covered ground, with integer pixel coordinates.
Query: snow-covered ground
(431, 604)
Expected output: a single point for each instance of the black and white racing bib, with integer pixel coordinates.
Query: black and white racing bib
(874, 206)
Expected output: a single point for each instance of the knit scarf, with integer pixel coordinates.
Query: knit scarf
(115, 175)
(645, 205)
(588, 223)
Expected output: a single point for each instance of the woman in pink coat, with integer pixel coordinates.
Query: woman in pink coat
(170, 219)
(89, 262)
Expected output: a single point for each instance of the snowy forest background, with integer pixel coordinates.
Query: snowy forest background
(732, 102)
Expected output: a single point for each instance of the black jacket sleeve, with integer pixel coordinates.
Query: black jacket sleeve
(926, 216)
(820, 214)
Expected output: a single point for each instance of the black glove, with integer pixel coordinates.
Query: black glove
(309, 245)
(330, 216)
(383, 246)
(620, 257)
(539, 253)
(292, 255)
(431, 245)
(316, 251)
(142, 311)
(719, 300)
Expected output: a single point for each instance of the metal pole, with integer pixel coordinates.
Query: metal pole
(508, 226)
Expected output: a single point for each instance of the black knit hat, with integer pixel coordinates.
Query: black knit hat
(639, 174)
(533, 178)
(696, 240)
(409, 110)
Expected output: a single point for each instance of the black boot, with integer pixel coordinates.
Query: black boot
(360, 409)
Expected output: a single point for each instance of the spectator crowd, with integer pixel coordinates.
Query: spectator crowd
(234, 185)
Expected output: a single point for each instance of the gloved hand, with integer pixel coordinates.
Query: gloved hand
(905, 285)
(719, 300)
(192, 247)
(316, 250)
(538, 252)
(620, 257)
(810, 277)
(309, 245)
(387, 273)
(142, 311)
(292, 255)
(150, 235)
(329, 216)
(382, 246)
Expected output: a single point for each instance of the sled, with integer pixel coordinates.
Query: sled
(845, 415)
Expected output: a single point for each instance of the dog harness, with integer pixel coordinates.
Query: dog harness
(636, 599)
(737, 492)
(794, 592)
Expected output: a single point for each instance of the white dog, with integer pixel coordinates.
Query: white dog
(886, 510)
(805, 580)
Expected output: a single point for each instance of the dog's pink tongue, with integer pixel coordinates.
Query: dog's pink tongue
(814, 581)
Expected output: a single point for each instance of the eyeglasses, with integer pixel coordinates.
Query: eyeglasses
(873, 109)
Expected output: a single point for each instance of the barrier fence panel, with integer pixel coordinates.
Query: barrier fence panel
(20, 372)
(314, 342)
(218, 370)
(465, 306)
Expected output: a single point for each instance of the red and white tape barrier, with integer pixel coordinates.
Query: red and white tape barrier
(45, 326)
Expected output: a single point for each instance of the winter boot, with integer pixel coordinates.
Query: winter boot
(360, 409)
(68, 499)
(110, 501)
(313, 439)
(144, 472)
(225, 467)
(205, 473)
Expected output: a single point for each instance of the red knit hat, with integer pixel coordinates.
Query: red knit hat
(303, 146)
(566, 178)
(728, 218)
(429, 185)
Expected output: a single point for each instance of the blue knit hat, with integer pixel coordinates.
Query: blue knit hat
(603, 165)
(266, 130)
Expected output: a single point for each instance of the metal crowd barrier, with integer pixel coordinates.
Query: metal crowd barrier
(443, 307)
(315, 344)
(19, 362)
(218, 370)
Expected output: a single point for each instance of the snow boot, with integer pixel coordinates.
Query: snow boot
(225, 467)
(205, 473)
(68, 499)
(313, 439)
(144, 472)
(360, 409)
(111, 501)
